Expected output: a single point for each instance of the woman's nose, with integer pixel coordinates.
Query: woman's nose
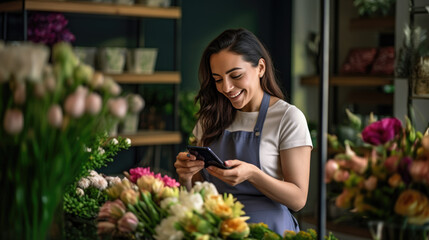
(227, 85)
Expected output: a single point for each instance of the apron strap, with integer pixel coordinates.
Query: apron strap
(262, 113)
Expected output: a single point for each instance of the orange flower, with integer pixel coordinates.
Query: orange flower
(395, 180)
(235, 227)
(217, 205)
(411, 203)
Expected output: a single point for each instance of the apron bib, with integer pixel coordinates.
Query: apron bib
(244, 146)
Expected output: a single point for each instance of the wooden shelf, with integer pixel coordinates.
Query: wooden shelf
(376, 23)
(93, 8)
(367, 81)
(157, 77)
(420, 96)
(143, 138)
(370, 97)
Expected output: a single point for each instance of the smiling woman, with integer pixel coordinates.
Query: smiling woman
(239, 97)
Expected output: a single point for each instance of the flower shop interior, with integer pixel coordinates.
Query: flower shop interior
(142, 59)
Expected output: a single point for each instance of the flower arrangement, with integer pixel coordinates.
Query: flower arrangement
(150, 206)
(49, 28)
(390, 180)
(85, 196)
(50, 113)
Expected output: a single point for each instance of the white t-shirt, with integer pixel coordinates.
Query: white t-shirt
(285, 127)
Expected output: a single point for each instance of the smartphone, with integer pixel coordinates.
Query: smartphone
(208, 156)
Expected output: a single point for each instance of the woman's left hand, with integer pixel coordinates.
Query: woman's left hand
(240, 171)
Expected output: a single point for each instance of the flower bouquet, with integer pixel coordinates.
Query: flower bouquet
(50, 114)
(145, 205)
(391, 182)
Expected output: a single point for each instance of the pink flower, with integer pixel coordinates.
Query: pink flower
(105, 228)
(170, 182)
(419, 171)
(330, 169)
(13, 121)
(391, 163)
(341, 175)
(118, 107)
(136, 173)
(93, 103)
(55, 116)
(128, 222)
(381, 131)
(370, 183)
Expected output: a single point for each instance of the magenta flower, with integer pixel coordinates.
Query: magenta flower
(381, 131)
(170, 182)
(136, 173)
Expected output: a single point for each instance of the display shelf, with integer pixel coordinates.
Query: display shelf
(157, 77)
(375, 23)
(93, 8)
(420, 96)
(143, 138)
(367, 81)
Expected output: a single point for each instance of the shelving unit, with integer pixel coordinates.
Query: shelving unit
(109, 9)
(349, 80)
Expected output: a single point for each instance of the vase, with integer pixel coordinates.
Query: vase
(382, 230)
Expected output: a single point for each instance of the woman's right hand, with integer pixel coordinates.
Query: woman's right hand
(186, 167)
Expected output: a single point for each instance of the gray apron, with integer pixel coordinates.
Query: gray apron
(245, 147)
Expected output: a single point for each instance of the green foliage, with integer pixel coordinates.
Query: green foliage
(86, 206)
(374, 7)
(187, 111)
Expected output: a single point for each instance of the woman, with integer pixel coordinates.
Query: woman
(244, 120)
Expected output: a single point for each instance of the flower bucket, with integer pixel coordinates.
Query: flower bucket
(142, 60)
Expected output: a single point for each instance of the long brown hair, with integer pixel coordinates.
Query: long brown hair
(216, 111)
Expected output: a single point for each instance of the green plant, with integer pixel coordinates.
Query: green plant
(374, 7)
(188, 109)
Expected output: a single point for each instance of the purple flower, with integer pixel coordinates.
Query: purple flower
(381, 131)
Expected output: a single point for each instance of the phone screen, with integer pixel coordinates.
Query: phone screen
(208, 156)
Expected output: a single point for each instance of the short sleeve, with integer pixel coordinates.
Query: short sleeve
(294, 130)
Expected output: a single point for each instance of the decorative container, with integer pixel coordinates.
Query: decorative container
(142, 60)
(112, 59)
(86, 55)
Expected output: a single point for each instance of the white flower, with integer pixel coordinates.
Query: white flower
(168, 202)
(101, 151)
(88, 149)
(128, 141)
(112, 180)
(207, 188)
(99, 182)
(93, 173)
(84, 183)
(80, 192)
(114, 141)
(167, 231)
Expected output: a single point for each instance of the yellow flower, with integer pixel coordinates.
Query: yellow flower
(235, 227)
(420, 219)
(411, 203)
(145, 182)
(236, 206)
(116, 190)
(288, 234)
(129, 196)
(170, 192)
(216, 205)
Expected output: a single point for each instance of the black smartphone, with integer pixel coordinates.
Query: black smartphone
(208, 156)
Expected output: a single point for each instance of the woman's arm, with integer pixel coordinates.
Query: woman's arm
(292, 192)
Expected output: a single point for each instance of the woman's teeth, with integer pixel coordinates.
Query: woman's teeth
(236, 95)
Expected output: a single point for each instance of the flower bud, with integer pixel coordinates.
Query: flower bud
(97, 80)
(75, 104)
(370, 183)
(135, 103)
(105, 228)
(80, 192)
(331, 167)
(93, 103)
(128, 222)
(55, 116)
(129, 196)
(118, 107)
(13, 121)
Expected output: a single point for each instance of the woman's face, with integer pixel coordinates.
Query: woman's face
(238, 80)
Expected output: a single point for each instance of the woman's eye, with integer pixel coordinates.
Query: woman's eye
(236, 76)
(218, 80)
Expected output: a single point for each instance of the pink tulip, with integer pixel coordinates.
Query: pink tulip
(55, 116)
(93, 103)
(331, 167)
(128, 222)
(13, 121)
(105, 228)
(118, 107)
(75, 102)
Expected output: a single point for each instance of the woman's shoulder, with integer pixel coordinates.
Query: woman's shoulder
(286, 110)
